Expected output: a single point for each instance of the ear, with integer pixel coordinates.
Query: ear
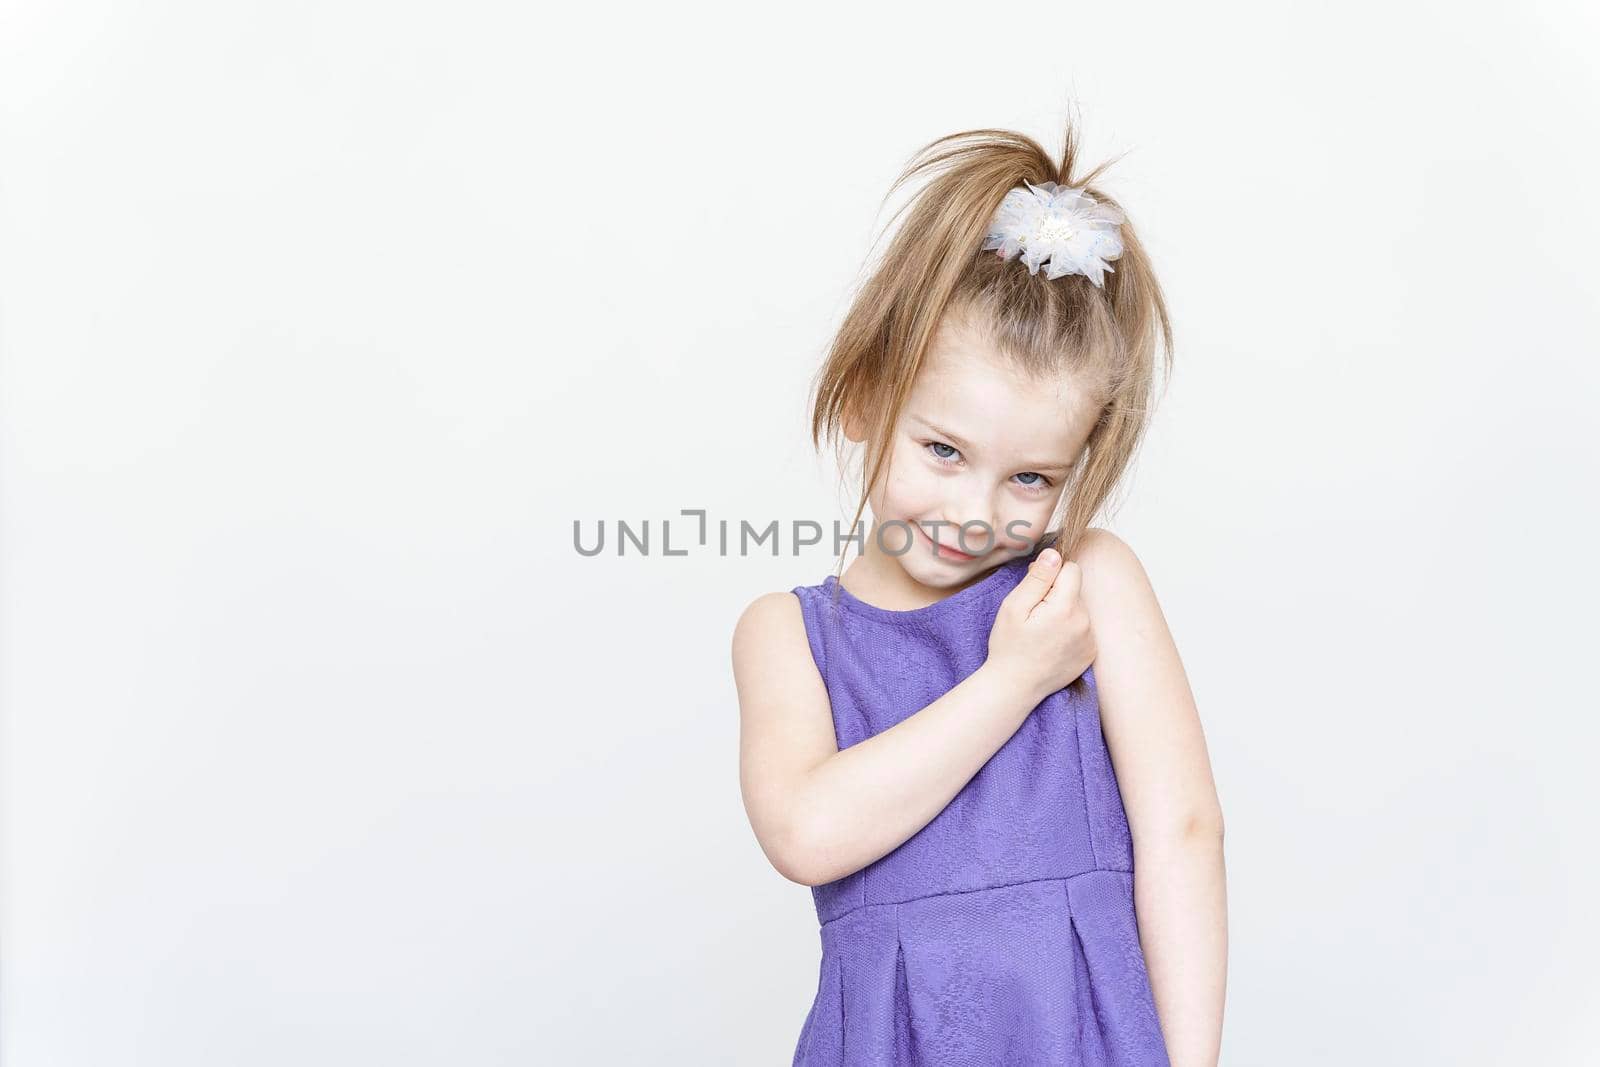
(854, 430)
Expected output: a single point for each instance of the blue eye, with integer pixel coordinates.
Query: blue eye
(1042, 484)
(946, 454)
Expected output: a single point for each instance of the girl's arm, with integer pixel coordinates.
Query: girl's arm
(821, 813)
(1158, 752)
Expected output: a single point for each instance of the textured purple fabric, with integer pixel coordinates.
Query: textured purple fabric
(1003, 931)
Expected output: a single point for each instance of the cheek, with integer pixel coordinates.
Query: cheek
(1032, 519)
(912, 489)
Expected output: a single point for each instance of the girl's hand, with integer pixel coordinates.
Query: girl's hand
(1041, 635)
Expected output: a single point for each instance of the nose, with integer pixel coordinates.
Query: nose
(969, 525)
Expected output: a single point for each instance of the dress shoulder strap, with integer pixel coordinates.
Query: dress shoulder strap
(820, 619)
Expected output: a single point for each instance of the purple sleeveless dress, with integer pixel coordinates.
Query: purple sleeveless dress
(1003, 931)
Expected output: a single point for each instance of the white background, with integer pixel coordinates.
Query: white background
(321, 323)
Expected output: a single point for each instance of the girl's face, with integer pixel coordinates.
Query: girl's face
(978, 444)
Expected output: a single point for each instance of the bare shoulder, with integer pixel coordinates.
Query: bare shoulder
(770, 646)
(786, 726)
(769, 623)
(1147, 709)
(1114, 578)
(1130, 628)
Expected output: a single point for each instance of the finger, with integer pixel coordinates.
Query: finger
(1036, 583)
(1066, 586)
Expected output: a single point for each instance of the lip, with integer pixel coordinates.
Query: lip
(945, 551)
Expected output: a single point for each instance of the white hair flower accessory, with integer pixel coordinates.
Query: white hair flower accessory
(1059, 223)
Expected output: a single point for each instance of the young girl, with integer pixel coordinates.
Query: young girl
(981, 752)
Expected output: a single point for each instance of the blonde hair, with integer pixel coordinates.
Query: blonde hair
(935, 266)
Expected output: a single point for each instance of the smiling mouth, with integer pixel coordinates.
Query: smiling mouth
(944, 550)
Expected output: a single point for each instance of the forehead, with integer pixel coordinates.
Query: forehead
(970, 387)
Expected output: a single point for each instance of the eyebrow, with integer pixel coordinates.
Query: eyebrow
(966, 446)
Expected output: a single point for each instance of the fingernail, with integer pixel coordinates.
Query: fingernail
(1050, 557)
